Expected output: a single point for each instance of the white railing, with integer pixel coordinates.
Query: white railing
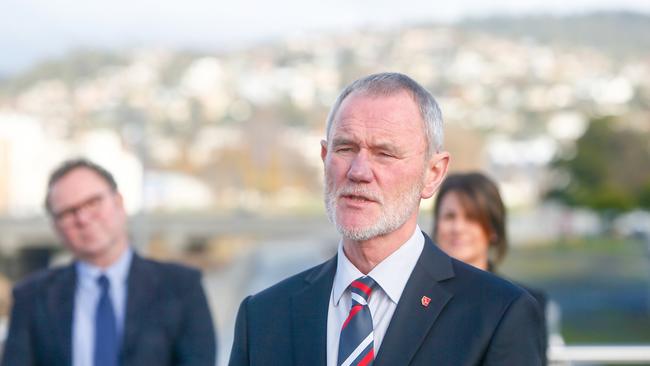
(627, 354)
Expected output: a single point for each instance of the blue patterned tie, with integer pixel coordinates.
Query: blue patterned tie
(356, 344)
(106, 342)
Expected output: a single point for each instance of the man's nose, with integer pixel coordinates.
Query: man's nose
(82, 216)
(360, 168)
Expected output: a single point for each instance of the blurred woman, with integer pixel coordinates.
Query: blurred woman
(469, 225)
(470, 220)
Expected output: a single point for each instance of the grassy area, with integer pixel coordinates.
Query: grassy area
(600, 257)
(601, 284)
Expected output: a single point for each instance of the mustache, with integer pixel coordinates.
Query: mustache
(359, 191)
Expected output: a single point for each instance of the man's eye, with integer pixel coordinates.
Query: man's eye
(94, 201)
(63, 215)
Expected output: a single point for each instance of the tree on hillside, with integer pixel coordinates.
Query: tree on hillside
(609, 171)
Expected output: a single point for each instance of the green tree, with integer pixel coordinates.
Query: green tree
(610, 169)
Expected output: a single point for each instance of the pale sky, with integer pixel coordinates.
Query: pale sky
(33, 30)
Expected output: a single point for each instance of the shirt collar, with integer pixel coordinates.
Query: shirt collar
(391, 274)
(117, 273)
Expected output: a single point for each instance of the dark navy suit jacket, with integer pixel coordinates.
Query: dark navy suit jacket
(167, 319)
(474, 318)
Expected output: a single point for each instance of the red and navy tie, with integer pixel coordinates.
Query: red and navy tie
(356, 344)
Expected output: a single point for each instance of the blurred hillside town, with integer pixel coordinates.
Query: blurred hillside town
(239, 131)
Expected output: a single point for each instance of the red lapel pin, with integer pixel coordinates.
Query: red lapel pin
(425, 301)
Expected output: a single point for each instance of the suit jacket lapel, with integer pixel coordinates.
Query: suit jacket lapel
(309, 317)
(413, 318)
(60, 304)
(141, 291)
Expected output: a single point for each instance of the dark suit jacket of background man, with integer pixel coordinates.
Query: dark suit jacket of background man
(167, 320)
(474, 318)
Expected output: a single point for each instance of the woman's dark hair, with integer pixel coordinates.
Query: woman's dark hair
(482, 202)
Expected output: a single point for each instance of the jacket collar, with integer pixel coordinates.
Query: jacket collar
(422, 301)
(309, 316)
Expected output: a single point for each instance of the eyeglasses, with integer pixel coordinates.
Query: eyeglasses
(90, 206)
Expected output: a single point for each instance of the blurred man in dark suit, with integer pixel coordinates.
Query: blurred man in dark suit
(110, 307)
(389, 297)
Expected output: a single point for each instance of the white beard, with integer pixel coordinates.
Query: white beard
(392, 216)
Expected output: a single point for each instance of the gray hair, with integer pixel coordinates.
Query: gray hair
(389, 83)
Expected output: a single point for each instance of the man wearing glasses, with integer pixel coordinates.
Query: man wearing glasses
(110, 307)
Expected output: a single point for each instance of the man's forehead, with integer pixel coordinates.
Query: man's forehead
(76, 183)
(400, 101)
(395, 113)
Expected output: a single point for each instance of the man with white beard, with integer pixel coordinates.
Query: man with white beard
(389, 296)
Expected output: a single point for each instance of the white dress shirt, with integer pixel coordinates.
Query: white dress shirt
(390, 275)
(87, 296)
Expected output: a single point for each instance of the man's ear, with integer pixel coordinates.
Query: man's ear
(119, 200)
(323, 150)
(436, 170)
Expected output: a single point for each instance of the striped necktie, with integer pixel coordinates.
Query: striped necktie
(106, 339)
(356, 346)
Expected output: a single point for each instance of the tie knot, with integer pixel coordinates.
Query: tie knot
(103, 282)
(363, 287)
